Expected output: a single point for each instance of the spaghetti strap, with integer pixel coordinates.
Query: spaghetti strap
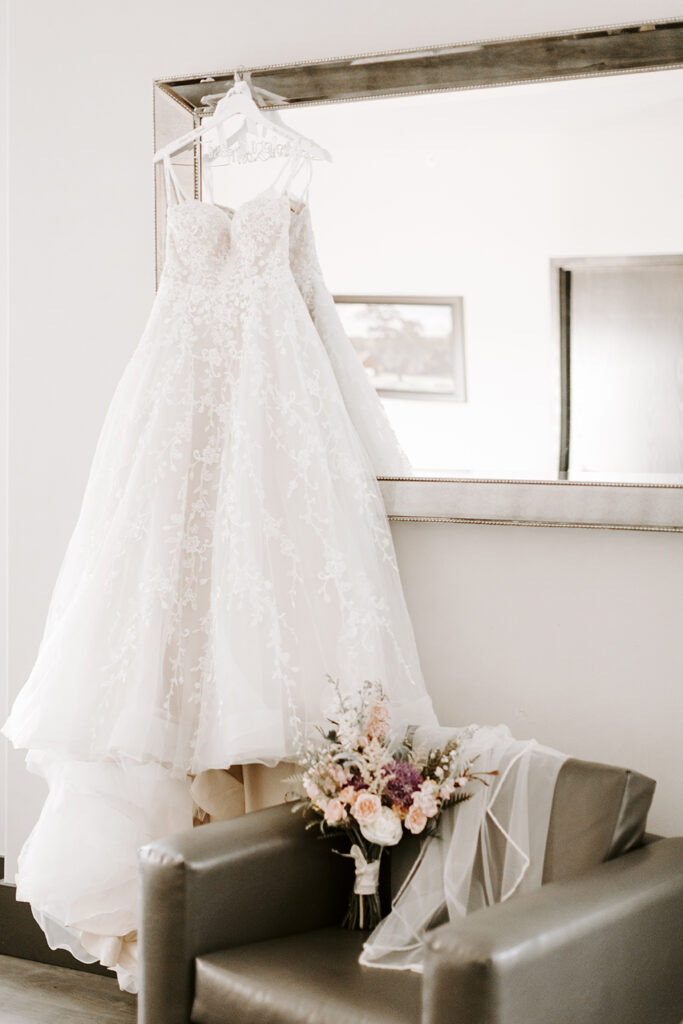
(174, 190)
(207, 179)
(309, 179)
(290, 169)
(306, 162)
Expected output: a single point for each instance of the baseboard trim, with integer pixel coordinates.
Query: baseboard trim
(21, 936)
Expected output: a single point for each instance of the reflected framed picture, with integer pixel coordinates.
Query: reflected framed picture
(411, 347)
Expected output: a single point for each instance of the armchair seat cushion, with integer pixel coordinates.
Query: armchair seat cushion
(310, 978)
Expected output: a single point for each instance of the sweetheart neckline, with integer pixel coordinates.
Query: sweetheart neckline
(231, 212)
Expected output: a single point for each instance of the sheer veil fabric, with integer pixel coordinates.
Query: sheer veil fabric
(486, 849)
(232, 550)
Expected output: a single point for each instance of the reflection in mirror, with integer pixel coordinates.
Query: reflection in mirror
(486, 195)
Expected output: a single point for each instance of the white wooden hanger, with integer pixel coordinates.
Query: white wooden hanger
(239, 101)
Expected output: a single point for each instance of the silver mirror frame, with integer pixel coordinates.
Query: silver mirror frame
(180, 102)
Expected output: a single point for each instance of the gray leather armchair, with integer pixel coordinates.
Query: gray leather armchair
(240, 925)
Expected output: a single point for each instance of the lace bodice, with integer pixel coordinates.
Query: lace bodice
(206, 242)
(272, 235)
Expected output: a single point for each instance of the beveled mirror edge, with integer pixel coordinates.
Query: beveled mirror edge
(585, 504)
(540, 503)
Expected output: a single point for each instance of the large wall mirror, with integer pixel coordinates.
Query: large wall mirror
(508, 262)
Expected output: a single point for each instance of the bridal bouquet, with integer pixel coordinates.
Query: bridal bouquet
(362, 781)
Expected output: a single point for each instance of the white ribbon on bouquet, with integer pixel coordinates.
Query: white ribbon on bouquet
(367, 872)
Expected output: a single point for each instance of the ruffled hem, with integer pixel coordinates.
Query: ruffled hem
(78, 868)
(118, 953)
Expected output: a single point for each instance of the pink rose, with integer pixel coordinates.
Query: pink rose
(426, 803)
(447, 790)
(312, 790)
(348, 795)
(378, 722)
(366, 808)
(416, 820)
(334, 812)
(338, 774)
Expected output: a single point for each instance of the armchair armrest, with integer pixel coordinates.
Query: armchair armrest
(225, 884)
(604, 947)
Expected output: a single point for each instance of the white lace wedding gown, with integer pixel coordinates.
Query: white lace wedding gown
(232, 550)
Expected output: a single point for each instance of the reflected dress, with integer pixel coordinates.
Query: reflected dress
(231, 553)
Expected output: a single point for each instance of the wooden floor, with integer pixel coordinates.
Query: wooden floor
(32, 993)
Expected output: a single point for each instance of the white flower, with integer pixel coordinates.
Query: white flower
(385, 829)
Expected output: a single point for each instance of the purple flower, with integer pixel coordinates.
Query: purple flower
(403, 779)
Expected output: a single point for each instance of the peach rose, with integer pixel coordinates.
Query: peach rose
(416, 820)
(348, 795)
(334, 812)
(366, 807)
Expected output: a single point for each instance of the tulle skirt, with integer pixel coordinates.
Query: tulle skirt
(78, 869)
(232, 552)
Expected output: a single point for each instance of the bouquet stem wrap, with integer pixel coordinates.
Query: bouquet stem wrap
(364, 910)
(367, 873)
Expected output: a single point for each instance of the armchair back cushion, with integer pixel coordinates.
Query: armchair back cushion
(598, 813)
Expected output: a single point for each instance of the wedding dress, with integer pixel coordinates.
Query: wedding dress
(231, 552)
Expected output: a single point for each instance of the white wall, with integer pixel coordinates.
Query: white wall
(81, 240)
(571, 636)
(4, 413)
